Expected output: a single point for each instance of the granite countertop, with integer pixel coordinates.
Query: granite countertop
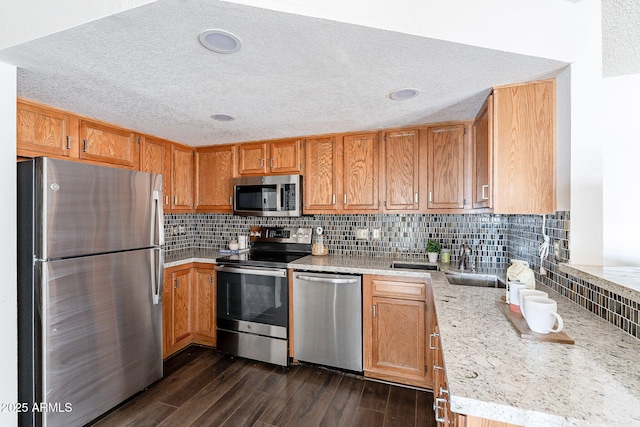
(495, 374)
(624, 281)
(187, 256)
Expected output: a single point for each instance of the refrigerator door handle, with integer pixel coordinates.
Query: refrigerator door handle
(158, 233)
(158, 261)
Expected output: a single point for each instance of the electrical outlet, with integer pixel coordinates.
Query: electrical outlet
(362, 233)
(556, 249)
(376, 233)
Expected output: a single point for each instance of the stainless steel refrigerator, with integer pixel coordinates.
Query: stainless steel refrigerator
(90, 273)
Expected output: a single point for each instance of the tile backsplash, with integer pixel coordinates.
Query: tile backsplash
(401, 235)
(494, 239)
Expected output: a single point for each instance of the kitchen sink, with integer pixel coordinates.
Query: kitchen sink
(415, 265)
(473, 279)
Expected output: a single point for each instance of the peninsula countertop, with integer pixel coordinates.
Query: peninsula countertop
(495, 374)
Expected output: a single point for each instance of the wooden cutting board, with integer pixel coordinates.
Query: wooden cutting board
(520, 325)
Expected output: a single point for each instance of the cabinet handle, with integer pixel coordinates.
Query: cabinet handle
(433, 335)
(230, 200)
(211, 279)
(345, 198)
(84, 145)
(68, 142)
(415, 198)
(436, 408)
(485, 187)
(271, 163)
(374, 311)
(175, 200)
(175, 286)
(430, 196)
(262, 163)
(333, 200)
(444, 391)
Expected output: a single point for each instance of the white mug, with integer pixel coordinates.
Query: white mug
(514, 287)
(242, 241)
(527, 292)
(542, 314)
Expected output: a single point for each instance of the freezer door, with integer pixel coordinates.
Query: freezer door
(101, 333)
(87, 209)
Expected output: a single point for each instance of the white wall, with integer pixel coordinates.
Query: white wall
(24, 20)
(531, 27)
(8, 259)
(621, 112)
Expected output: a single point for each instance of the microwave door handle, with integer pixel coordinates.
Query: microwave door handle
(280, 198)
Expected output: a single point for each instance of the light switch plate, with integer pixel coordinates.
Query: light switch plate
(376, 233)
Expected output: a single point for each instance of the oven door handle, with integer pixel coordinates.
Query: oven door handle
(327, 280)
(252, 271)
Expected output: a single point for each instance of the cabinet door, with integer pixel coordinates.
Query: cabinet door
(321, 175)
(42, 131)
(284, 157)
(214, 178)
(524, 150)
(182, 178)
(482, 156)
(106, 144)
(401, 160)
(180, 308)
(204, 302)
(445, 151)
(399, 337)
(361, 173)
(155, 157)
(252, 159)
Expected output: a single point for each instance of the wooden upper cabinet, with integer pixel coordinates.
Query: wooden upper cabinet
(182, 178)
(155, 157)
(524, 148)
(401, 170)
(107, 144)
(275, 157)
(483, 156)
(214, 175)
(445, 153)
(252, 158)
(285, 156)
(360, 172)
(45, 131)
(321, 175)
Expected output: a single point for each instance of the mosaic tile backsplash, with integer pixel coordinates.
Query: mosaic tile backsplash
(494, 239)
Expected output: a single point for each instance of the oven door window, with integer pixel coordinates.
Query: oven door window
(257, 198)
(260, 299)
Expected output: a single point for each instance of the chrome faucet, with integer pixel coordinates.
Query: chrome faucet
(465, 257)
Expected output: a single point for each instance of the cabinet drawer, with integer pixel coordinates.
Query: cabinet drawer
(405, 288)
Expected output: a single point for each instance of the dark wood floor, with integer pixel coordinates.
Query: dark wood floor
(202, 388)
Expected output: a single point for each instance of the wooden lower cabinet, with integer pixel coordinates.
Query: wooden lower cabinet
(396, 316)
(188, 307)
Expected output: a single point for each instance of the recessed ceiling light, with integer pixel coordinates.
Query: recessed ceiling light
(220, 41)
(403, 94)
(223, 117)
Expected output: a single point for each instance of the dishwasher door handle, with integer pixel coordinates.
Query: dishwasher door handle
(328, 280)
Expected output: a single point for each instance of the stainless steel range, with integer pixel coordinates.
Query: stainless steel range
(253, 294)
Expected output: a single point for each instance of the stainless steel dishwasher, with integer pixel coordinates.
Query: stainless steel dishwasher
(327, 319)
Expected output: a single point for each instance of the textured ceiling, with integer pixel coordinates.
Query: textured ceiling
(145, 69)
(620, 37)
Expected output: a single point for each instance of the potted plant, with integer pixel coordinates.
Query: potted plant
(433, 249)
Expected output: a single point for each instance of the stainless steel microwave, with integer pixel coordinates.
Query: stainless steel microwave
(273, 195)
